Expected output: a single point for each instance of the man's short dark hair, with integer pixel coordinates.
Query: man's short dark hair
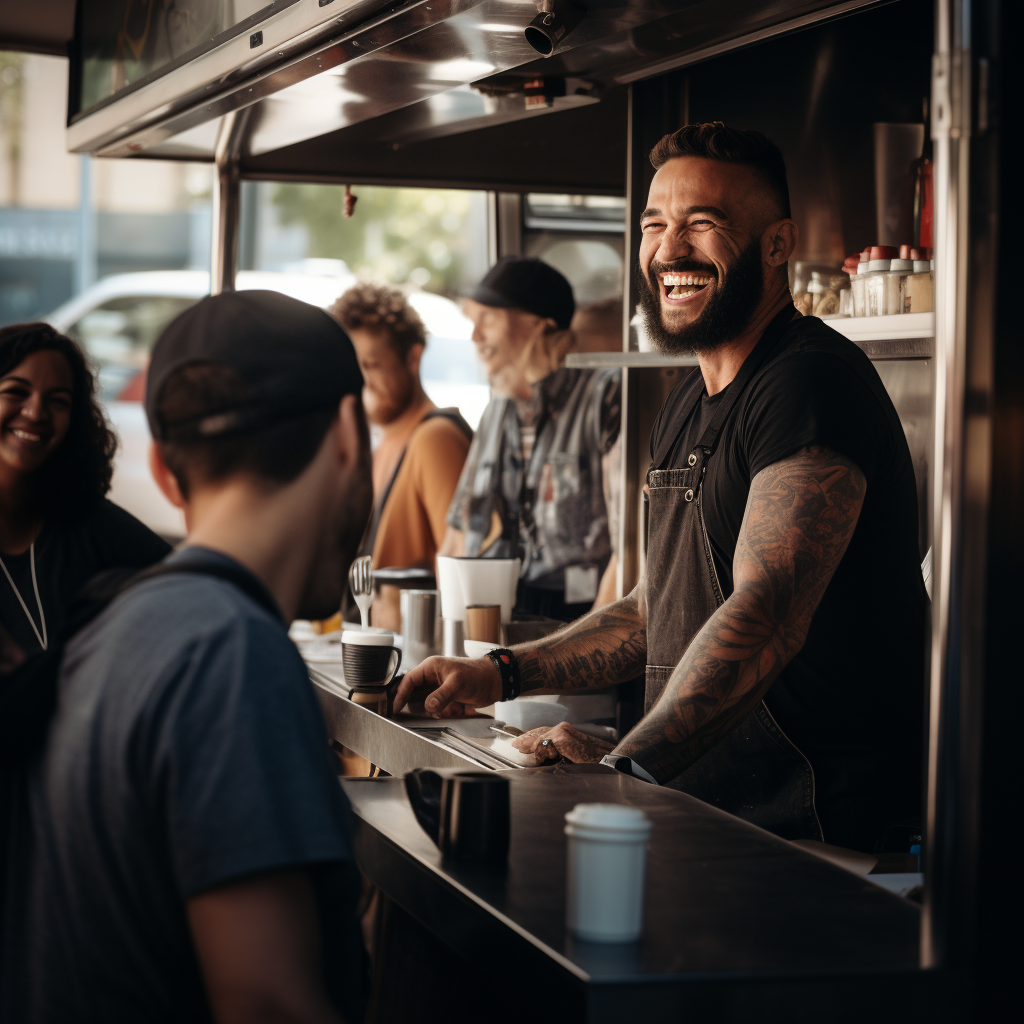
(717, 141)
(276, 454)
(376, 307)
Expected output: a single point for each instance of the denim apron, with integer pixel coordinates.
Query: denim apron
(754, 772)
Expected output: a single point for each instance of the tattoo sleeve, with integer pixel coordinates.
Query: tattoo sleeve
(800, 516)
(604, 647)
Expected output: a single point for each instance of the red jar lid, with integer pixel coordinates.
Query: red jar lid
(884, 252)
(905, 253)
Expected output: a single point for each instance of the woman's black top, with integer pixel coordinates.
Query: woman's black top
(68, 553)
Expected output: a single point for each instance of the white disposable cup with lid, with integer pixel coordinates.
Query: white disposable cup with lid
(607, 860)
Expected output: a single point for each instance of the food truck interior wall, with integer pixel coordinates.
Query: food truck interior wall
(817, 93)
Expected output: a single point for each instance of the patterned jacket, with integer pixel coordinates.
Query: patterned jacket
(551, 511)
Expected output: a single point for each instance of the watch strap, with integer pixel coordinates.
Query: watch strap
(507, 665)
(627, 766)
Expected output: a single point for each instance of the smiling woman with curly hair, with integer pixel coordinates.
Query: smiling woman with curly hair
(57, 529)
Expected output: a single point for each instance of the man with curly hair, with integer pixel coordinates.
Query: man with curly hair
(418, 459)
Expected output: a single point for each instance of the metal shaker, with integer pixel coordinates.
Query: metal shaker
(421, 625)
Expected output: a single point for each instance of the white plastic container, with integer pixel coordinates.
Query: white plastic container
(487, 581)
(607, 860)
(874, 291)
(895, 286)
(453, 605)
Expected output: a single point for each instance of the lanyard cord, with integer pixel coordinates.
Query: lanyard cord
(35, 586)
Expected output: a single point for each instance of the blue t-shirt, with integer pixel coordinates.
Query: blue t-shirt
(188, 751)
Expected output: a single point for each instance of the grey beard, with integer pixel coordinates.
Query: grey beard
(724, 317)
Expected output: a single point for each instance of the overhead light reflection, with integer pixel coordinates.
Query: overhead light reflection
(461, 70)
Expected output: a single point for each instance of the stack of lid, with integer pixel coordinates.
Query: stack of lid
(878, 259)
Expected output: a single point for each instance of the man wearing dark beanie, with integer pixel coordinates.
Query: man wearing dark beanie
(190, 842)
(534, 484)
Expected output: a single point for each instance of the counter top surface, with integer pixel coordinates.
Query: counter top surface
(723, 897)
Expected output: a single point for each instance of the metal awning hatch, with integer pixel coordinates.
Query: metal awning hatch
(432, 92)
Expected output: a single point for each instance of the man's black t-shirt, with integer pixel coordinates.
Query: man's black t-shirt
(853, 698)
(68, 553)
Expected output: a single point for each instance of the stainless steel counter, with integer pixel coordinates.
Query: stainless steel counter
(399, 744)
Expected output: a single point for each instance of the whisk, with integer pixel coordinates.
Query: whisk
(360, 579)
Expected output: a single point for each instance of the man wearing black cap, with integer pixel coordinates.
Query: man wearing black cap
(190, 841)
(533, 484)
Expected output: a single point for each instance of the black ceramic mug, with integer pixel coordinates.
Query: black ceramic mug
(369, 658)
(465, 813)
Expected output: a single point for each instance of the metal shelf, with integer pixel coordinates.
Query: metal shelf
(605, 360)
(906, 336)
(885, 328)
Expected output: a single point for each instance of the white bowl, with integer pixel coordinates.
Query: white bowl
(478, 648)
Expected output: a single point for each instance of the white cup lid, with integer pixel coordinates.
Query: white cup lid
(609, 818)
(369, 637)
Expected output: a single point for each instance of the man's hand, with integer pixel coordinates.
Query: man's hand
(258, 945)
(447, 687)
(563, 741)
(605, 647)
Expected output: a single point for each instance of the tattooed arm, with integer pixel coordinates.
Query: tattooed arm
(604, 647)
(800, 516)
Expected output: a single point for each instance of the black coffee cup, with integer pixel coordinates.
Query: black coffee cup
(465, 813)
(369, 659)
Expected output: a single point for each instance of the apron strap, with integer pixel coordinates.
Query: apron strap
(709, 439)
(688, 400)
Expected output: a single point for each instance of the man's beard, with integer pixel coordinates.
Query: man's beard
(390, 407)
(726, 313)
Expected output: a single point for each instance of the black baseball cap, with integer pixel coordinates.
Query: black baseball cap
(295, 357)
(524, 282)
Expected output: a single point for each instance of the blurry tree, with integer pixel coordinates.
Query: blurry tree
(400, 234)
(11, 95)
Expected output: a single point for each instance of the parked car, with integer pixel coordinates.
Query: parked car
(118, 320)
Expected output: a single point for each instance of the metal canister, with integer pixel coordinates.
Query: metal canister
(454, 638)
(421, 625)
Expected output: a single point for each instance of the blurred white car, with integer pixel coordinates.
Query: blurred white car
(118, 320)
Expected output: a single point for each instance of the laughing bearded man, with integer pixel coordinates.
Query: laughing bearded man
(781, 621)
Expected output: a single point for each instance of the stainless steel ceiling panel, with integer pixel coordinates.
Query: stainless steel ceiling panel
(333, 76)
(466, 109)
(188, 88)
(655, 37)
(410, 59)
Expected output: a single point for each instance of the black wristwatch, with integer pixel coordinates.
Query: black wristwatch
(629, 767)
(508, 668)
